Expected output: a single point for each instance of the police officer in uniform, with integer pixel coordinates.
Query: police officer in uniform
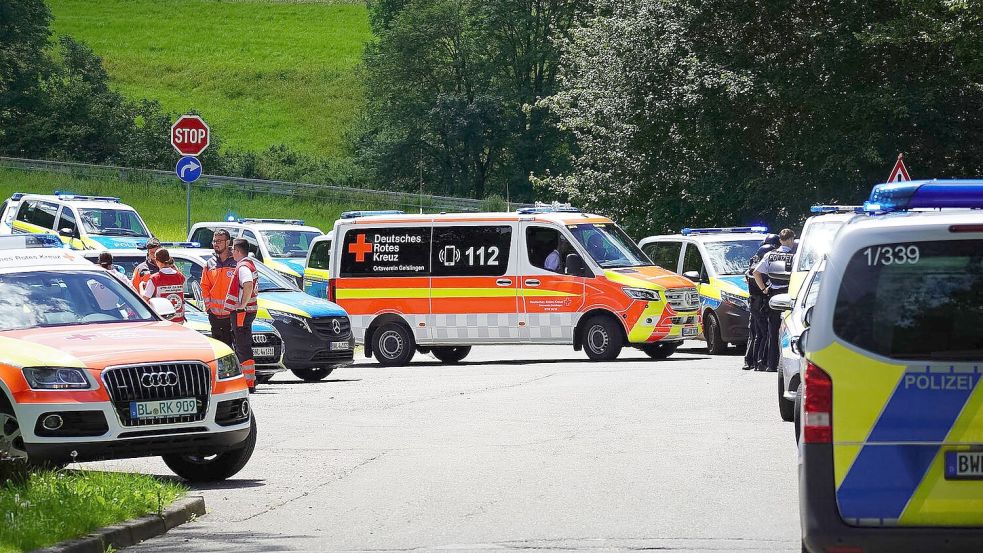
(777, 267)
(758, 307)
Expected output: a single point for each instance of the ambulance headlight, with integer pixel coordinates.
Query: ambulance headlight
(228, 367)
(735, 300)
(290, 319)
(643, 294)
(57, 378)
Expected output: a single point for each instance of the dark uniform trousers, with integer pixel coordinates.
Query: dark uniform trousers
(773, 348)
(221, 329)
(242, 335)
(757, 343)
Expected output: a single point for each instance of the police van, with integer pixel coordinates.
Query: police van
(542, 275)
(891, 454)
(82, 222)
(817, 235)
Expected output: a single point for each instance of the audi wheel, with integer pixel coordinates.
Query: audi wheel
(602, 338)
(217, 467)
(11, 440)
(393, 345)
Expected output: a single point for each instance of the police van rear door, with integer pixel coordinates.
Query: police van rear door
(905, 365)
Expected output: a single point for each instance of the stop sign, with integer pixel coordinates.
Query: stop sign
(189, 135)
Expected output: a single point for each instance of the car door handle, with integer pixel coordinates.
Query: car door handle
(504, 282)
(531, 282)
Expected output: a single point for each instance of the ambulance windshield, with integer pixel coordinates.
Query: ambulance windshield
(609, 246)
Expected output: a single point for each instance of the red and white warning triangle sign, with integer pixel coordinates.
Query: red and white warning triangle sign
(900, 172)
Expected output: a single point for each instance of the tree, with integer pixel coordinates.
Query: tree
(23, 61)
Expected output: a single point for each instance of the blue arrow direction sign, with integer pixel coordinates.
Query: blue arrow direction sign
(188, 169)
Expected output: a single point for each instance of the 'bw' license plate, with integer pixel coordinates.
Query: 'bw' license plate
(964, 465)
(689, 331)
(263, 352)
(163, 408)
(339, 346)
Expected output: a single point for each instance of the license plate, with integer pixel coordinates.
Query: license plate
(689, 331)
(335, 346)
(163, 408)
(964, 465)
(263, 352)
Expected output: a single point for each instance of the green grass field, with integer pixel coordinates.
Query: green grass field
(260, 72)
(162, 206)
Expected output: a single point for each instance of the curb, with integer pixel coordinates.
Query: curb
(133, 531)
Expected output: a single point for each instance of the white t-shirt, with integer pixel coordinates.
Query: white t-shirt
(149, 288)
(245, 275)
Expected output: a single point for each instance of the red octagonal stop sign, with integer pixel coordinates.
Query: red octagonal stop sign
(189, 135)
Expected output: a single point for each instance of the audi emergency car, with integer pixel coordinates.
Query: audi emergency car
(543, 275)
(716, 260)
(891, 454)
(82, 222)
(316, 333)
(817, 236)
(88, 371)
(281, 244)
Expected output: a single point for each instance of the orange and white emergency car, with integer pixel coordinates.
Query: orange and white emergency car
(543, 275)
(89, 371)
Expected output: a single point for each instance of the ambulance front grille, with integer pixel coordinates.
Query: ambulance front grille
(683, 299)
(158, 381)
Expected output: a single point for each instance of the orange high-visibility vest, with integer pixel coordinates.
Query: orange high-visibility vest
(235, 288)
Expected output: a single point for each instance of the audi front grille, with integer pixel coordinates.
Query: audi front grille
(268, 340)
(154, 382)
(683, 299)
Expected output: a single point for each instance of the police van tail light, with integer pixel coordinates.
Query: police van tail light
(332, 289)
(817, 406)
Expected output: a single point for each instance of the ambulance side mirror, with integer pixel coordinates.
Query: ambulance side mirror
(163, 308)
(576, 266)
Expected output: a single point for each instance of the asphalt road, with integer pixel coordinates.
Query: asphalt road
(516, 448)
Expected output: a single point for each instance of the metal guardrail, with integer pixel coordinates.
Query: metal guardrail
(378, 198)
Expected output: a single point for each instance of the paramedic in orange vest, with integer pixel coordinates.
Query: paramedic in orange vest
(148, 268)
(241, 303)
(167, 283)
(215, 280)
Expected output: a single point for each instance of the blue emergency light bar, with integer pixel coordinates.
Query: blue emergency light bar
(837, 209)
(16, 196)
(540, 207)
(926, 194)
(370, 213)
(180, 244)
(278, 221)
(30, 241)
(722, 230)
(62, 195)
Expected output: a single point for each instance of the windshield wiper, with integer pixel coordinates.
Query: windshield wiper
(119, 232)
(278, 289)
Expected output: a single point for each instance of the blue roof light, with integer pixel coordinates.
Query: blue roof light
(723, 230)
(541, 207)
(180, 244)
(836, 209)
(926, 194)
(274, 221)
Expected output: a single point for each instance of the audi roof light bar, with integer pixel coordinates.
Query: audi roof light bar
(723, 230)
(837, 209)
(925, 194)
(62, 195)
(280, 221)
(542, 207)
(370, 213)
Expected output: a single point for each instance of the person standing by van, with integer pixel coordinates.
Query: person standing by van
(167, 283)
(758, 308)
(241, 302)
(215, 281)
(777, 266)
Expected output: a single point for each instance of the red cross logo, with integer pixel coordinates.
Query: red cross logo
(360, 247)
(80, 337)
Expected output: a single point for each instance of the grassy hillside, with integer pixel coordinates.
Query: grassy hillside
(163, 206)
(260, 72)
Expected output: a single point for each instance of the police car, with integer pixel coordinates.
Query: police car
(281, 244)
(82, 222)
(89, 371)
(891, 454)
(716, 260)
(817, 235)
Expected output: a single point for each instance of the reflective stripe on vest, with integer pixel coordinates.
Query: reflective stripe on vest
(235, 288)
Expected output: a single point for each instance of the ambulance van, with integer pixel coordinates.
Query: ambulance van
(891, 408)
(543, 275)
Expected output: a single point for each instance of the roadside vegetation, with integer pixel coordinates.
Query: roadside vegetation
(48, 507)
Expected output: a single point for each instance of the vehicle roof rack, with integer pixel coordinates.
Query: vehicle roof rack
(369, 213)
(723, 230)
(837, 209)
(925, 194)
(280, 221)
(62, 195)
(554, 207)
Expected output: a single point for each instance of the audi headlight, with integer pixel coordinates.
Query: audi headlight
(57, 378)
(641, 294)
(228, 367)
(290, 319)
(734, 299)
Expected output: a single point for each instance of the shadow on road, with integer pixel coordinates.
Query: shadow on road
(547, 362)
(316, 382)
(200, 539)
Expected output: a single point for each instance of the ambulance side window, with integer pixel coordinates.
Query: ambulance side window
(664, 254)
(547, 249)
(471, 250)
(321, 255)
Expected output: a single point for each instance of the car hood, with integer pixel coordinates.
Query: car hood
(299, 303)
(101, 345)
(648, 277)
(295, 264)
(116, 242)
(735, 284)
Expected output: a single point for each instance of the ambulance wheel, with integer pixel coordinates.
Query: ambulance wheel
(393, 345)
(786, 408)
(602, 338)
(450, 354)
(311, 375)
(660, 350)
(213, 468)
(711, 329)
(11, 441)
